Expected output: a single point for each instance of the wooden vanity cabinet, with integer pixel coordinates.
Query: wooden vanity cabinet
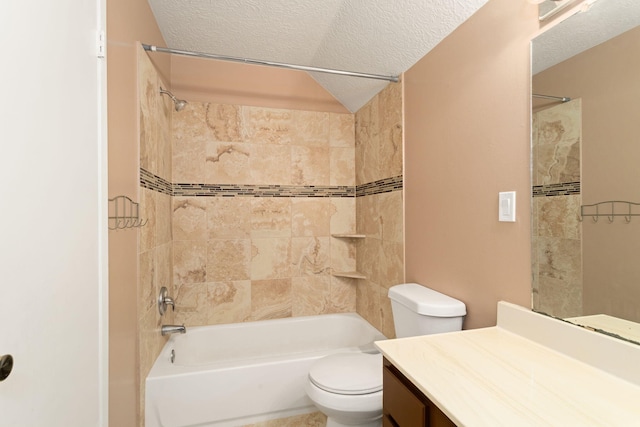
(403, 405)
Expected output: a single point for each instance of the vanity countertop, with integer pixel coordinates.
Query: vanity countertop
(496, 377)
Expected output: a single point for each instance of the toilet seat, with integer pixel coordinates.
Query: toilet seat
(348, 373)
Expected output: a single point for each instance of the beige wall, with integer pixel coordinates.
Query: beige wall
(127, 21)
(206, 80)
(606, 80)
(379, 214)
(467, 137)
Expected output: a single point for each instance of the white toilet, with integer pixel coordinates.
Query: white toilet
(347, 387)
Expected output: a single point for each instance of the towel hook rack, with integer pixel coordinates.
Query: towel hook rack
(124, 213)
(611, 213)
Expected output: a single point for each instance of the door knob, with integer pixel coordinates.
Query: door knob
(6, 365)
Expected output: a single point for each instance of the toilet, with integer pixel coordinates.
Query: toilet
(347, 387)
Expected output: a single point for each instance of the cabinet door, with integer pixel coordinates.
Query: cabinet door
(400, 404)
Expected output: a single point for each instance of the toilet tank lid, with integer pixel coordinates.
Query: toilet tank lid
(426, 301)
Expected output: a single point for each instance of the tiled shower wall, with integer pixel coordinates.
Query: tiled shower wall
(257, 194)
(155, 241)
(557, 231)
(379, 205)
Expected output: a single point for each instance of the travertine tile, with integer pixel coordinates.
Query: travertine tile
(391, 264)
(342, 295)
(189, 262)
(314, 419)
(270, 299)
(270, 217)
(228, 259)
(163, 270)
(189, 135)
(146, 281)
(310, 295)
(231, 302)
(309, 165)
(559, 216)
(224, 121)
(268, 125)
(227, 163)
(343, 254)
(229, 217)
(368, 302)
(342, 166)
(192, 304)
(342, 130)
(148, 212)
(310, 256)
(368, 217)
(311, 128)
(163, 219)
(310, 216)
(343, 215)
(270, 258)
(270, 164)
(387, 327)
(391, 215)
(189, 218)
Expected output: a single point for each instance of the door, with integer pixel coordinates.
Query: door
(52, 211)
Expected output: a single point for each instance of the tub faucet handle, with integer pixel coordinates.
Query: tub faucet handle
(164, 300)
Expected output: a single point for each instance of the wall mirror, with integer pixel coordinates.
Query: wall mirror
(586, 168)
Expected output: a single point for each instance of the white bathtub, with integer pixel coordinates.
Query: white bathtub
(242, 373)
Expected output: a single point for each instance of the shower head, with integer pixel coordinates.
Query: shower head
(179, 103)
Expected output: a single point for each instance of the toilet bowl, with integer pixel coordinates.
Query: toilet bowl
(347, 387)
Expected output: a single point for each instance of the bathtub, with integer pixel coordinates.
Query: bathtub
(242, 373)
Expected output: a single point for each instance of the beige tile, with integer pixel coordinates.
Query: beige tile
(193, 304)
(341, 130)
(559, 216)
(163, 219)
(224, 121)
(270, 164)
(228, 259)
(270, 217)
(342, 166)
(270, 258)
(390, 106)
(270, 299)
(389, 157)
(147, 212)
(368, 302)
(391, 264)
(189, 218)
(342, 295)
(386, 315)
(315, 419)
(146, 281)
(311, 216)
(163, 270)
(268, 125)
(369, 256)
(310, 256)
(368, 220)
(311, 295)
(343, 254)
(227, 163)
(189, 135)
(189, 262)
(231, 302)
(389, 206)
(165, 153)
(343, 215)
(309, 165)
(311, 128)
(229, 217)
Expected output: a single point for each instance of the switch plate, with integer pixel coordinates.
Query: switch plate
(507, 206)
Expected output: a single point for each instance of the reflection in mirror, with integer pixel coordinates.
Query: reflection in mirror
(587, 151)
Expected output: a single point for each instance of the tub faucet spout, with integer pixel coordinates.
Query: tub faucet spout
(172, 329)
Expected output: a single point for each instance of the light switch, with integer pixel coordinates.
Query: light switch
(507, 206)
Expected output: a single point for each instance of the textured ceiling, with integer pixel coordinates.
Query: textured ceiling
(369, 36)
(604, 20)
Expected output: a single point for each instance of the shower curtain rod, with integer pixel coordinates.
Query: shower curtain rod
(152, 48)
(558, 98)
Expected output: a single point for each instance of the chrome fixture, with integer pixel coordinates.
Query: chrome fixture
(164, 300)
(179, 103)
(172, 329)
(172, 357)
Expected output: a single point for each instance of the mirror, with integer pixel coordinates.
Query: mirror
(586, 169)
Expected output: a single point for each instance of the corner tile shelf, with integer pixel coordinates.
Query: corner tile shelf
(349, 274)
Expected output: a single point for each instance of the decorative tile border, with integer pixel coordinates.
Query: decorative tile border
(562, 189)
(380, 186)
(156, 183)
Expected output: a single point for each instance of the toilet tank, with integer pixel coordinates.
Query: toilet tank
(418, 310)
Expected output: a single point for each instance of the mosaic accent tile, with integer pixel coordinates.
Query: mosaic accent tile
(153, 182)
(562, 189)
